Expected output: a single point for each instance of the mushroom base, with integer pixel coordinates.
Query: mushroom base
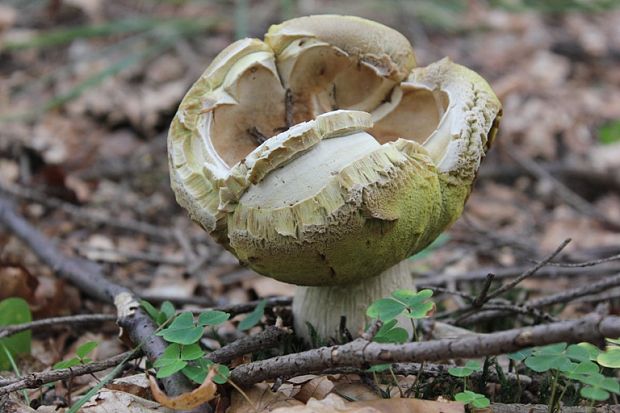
(322, 307)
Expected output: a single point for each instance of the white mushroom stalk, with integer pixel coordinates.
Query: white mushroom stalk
(322, 157)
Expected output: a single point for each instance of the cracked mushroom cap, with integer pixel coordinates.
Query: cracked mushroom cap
(322, 155)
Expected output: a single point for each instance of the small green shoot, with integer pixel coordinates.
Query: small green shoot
(577, 362)
(598, 387)
(175, 358)
(185, 330)
(611, 356)
(476, 400)
(14, 311)
(198, 370)
(254, 317)
(166, 311)
(552, 357)
(389, 333)
(465, 371)
(80, 357)
(411, 304)
(184, 354)
(468, 397)
(379, 368)
(520, 355)
(95, 389)
(610, 132)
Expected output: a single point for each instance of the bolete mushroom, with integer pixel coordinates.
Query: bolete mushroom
(323, 157)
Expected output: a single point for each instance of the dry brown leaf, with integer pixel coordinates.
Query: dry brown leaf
(410, 406)
(54, 297)
(355, 391)
(12, 406)
(108, 401)
(17, 281)
(317, 388)
(186, 401)
(101, 248)
(170, 282)
(334, 403)
(302, 379)
(137, 384)
(262, 399)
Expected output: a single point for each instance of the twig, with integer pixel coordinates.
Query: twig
(586, 263)
(268, 338)
(482, 297)
(466, 312)
(372, 331)
(49, 322)
(429, 369)
(512, 272)
(89, 278)
(504, 288)
(235, 309)
(36, 380)
(559, 298)
(503, 309)
(447, 291)
(569, 295)
(361, 353)
(543, 408)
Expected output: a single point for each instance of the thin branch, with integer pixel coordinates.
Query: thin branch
(89, 278)
(432, 370)
(548, 272)
(482, 297)
(569, 295)
(49, 322)
(504, 288)
(537, 303)
(36, 380)
(234, 309)
(503, 309)
(447, 291)
(372, 331)
(466, 312)
(543, 408)
(586, 263)
(361, 353)
(268, 338)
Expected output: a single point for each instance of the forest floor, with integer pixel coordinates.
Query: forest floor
(87, 92)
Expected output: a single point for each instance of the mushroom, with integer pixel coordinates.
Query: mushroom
(324, 158)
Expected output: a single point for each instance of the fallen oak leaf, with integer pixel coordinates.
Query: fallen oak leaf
(186, 401)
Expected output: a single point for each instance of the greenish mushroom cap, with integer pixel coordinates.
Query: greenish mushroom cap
(322, 156)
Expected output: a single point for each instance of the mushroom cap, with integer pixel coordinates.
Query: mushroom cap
(322, 156)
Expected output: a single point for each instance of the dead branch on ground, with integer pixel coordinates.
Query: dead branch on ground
(89, 278)
(361, 353)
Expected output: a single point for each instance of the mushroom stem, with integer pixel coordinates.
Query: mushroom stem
(323, 307)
